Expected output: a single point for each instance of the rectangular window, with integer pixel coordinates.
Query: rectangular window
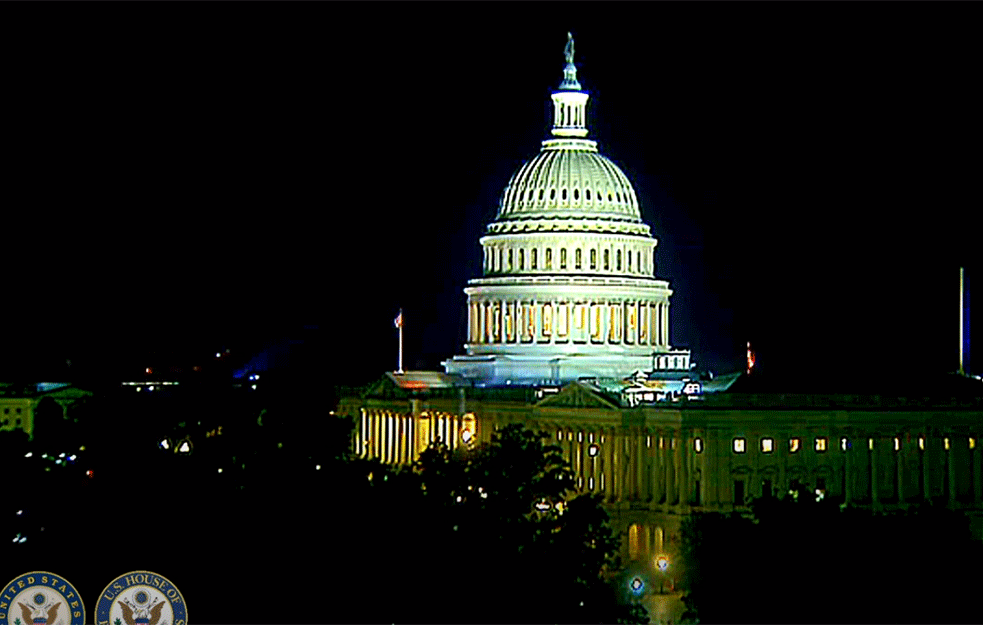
(820, 444)
(739, 445)
(738, 492)
(844, 444)
(794, 444)
(767, 445)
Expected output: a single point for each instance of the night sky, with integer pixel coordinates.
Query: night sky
(184, 182)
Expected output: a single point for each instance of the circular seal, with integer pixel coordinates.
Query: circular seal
(141, 598)
(40, 598)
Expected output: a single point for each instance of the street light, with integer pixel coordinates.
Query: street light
(662, 564)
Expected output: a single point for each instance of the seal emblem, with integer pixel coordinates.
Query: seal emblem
(141, 598)
(40, 598)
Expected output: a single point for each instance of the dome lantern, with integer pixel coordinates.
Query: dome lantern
(569, 102)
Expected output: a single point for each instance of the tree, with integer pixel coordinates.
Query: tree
(502, 524)
(796, 560)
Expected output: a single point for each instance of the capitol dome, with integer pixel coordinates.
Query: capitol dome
(568, 287)
(567, 180)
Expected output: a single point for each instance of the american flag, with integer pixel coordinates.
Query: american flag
(399, 320)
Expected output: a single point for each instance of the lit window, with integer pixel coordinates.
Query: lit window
(897, 443)
(767, 445)
(590, 483)
(580, 437)
(698, 445)
(618, 261)
(577, 257)
(739, 445)
(921, 443)
(820, 443)
(844, 444)
(563, 258)
(607, 260)
(972, 443)
(945, 441)
(593, 450)
(794, 444)
(559, 435)
(533, 259)
(590, 437)
(870, 444)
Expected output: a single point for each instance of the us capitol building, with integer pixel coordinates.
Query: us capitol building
(568, 333)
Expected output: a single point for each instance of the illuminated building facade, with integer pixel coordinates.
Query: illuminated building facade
(19, 404)
(569, 287)
(567, 313)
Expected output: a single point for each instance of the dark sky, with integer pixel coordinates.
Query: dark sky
(189, 181)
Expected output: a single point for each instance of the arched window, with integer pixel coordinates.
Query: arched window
(534, 258)
(577, 259)
(593, 259)
(618, 261)
(563, 258)
(552, 194)
(549, 258)
(576, 194)
(629, 262)
(587, 194)
(607, 260)
(564, 196)
(522, 260)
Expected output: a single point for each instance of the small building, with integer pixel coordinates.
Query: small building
(19, 403)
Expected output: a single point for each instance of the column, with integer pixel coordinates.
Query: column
(607, 452)
(670, 466)
(847, 474)
(899, 467)
(875, 490)
(481, 322)
(665, 324)
(641, 492)
(658, 483)
(951, 468)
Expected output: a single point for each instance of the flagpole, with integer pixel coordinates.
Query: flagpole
(400, 326)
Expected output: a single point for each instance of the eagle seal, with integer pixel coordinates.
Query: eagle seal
(41, 598)
(141, 598)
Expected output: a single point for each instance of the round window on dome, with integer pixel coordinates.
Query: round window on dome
(576, 194)
(564, 195)
(587, 194)
(609, 196)
(618, 196)
(552, 194)
(540, 195)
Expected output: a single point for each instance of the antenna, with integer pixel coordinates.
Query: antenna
(962, 285)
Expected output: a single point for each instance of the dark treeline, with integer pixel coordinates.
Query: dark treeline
(796, 560)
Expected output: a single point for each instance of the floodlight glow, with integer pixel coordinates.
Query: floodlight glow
(593, 450)
(637, 585)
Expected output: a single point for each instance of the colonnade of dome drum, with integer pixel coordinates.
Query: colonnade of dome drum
(629, 256)
(616, 321)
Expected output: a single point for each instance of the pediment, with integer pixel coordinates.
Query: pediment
(576, 395)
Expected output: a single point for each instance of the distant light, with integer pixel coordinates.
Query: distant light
(20, 512)
(662, 563)
(164, 444)
(139, 388)
(23, 540)
(29, 454)
(257, 376)
(542, 506)
(150, 388)
(72, 457)
(218, 355)
(185, 447)
(82, 448)
(149, 370)
(254, 387)
(466, 436)
(61, 455)
(593, 450)
(220, 469)
(637, 585)
(317, 468)
(89, 473)
(458, 499)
